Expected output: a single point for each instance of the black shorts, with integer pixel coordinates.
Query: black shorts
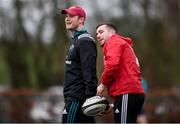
(127, 107)
(72, 113)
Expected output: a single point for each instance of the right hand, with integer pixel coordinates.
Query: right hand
(100, 90)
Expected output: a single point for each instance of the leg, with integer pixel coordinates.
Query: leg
(120, 109)
(135, 104)
(72, 113)
(127, 107)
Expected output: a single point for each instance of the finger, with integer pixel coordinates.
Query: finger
(99, 93)
(101, 114)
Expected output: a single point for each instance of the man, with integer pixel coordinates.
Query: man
(121, 75)
(80, 67)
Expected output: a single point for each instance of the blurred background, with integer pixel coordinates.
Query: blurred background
(33, 43)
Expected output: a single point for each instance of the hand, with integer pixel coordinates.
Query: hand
(109, 110)
(100, 89)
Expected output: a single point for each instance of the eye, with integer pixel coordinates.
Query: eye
(101, 31)
(69, 15)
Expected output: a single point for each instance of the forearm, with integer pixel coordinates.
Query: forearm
(108, 74)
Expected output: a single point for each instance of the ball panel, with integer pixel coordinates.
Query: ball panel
(86, 105)
(95, 109)
(95, 105)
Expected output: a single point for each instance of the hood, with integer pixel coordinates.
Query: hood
(128, 40)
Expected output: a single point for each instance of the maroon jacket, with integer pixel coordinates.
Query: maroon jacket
(121, 68)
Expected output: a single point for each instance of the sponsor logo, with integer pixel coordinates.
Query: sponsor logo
(68, 62)
(117, 111)
(64, 112)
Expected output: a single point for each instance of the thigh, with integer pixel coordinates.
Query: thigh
(82, 118)
(127, 107)
(135, 104)
(72, 113)
(117, 109)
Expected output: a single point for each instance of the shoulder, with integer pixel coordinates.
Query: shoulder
(86, 37)
(115, 41)
(118, 39)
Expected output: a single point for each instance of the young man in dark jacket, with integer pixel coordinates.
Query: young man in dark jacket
(121, 74)
(80, 67)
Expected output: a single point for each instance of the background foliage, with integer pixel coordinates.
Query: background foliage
(33, 39)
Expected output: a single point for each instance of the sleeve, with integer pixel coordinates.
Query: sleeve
(112, 58)
(88, 56)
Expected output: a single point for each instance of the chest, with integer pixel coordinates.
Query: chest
(72, 52)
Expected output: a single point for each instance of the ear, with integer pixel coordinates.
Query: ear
(112, 31)
(81, 20)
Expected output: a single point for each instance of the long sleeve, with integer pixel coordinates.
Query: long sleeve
(113, 52)
(88, 56)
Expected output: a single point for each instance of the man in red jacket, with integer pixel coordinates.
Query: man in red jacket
(121, 75)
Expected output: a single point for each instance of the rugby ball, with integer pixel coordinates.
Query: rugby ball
(95, 105)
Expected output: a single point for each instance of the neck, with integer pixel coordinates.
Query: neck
(79, 28)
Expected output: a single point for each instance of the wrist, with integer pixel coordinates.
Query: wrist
(102, 85)
(111, 105)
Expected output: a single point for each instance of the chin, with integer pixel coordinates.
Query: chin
(102, 43)
(69, 28)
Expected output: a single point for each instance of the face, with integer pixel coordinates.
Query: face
(102, 34)
(73, 22)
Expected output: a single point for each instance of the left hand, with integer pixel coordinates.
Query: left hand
(110, 109)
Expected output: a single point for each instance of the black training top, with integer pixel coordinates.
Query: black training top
(80, 68)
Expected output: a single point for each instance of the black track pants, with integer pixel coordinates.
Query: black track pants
(127, 107)
(72, 113)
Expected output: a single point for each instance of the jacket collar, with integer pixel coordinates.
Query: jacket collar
(77, 33)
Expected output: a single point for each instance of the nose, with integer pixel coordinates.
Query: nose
(67, 18)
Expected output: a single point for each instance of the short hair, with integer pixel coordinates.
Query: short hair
(109, 25)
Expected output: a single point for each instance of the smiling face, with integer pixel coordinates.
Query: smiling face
(73, 21)
(103, 33)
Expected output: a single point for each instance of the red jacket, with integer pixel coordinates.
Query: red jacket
(121, 69)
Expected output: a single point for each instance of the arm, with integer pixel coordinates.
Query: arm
(88, 55)
(113, 54)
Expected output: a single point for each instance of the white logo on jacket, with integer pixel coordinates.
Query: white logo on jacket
(68, 62)
(104, 60)
(137, 62)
